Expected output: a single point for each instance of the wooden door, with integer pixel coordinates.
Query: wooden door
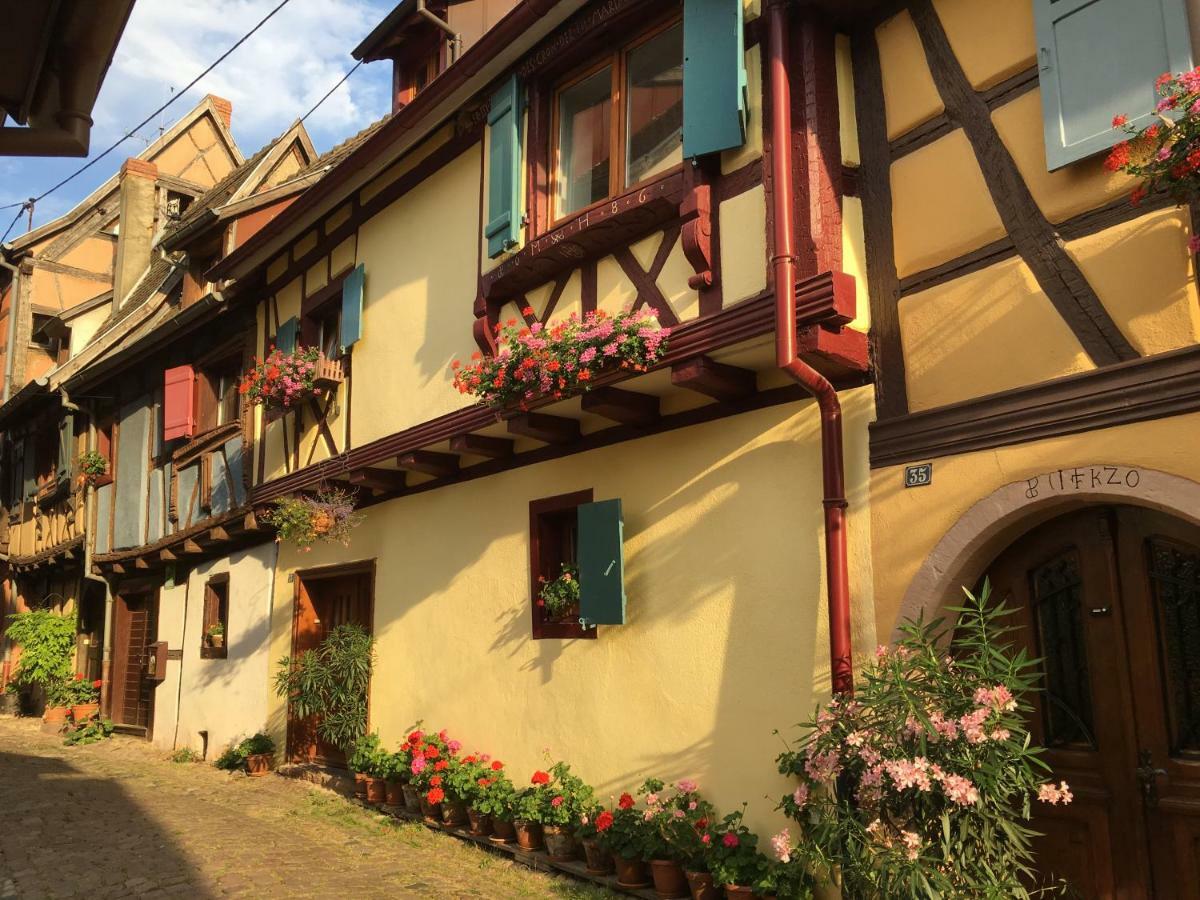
(1110, 600)
(135, 628)
(324, 601)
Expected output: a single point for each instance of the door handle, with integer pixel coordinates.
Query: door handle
(1147, 776)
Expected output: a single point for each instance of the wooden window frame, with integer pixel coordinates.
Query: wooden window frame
(539, 558)
(210, 615)
(617, 59)
(105, 446)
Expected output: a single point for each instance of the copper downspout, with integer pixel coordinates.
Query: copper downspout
(783, 265)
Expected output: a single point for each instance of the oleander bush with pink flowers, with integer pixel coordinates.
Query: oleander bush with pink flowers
(533, 361)
(923, 784)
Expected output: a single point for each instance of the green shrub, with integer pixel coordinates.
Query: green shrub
(234, 757)
(47, 646)
(330, 682)
(94, 729)
(185, 755)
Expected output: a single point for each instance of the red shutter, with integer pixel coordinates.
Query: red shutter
(179, 414)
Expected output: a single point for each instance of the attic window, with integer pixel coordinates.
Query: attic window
(177, 204)
(40, 335)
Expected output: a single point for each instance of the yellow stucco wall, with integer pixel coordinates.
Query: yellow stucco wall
(991, 46)
(726, 638)
(909, 94)
(924, 515)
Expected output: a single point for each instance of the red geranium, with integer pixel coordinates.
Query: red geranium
(415, 738)
(435, 781)
(97, 683)
(435, 796)
(440, 765)
(625, 802)
(431, 752)
(604, 820)
(497, 765)
(540, 777)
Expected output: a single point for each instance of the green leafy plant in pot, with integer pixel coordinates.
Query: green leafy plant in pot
(495, 799)
(733, 856)
(47, 642)
(623, 833)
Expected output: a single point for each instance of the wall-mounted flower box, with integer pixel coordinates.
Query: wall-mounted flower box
(329, 374)
(284, 380)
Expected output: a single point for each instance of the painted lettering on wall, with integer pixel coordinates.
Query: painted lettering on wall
(1066, 481)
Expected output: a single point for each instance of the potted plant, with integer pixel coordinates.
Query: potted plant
(259, 753)
(359, 762)
(1163, 153)
(680, 819)
(558, 598)
(84, 696)
(467, 778)
(395, 775)
(47, 642)
(326, 516)
(528, 810)
(569, 795)
(494, 801)
(59, 694)
(404, 756)
(282, 380)
(377, 765)
(562, 360)
(215, 636)
(623, 834)
(92, 466)
(733, 857)
(430, 760)
(599, 860)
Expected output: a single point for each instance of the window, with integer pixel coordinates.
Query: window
(104, 446)
(553, 541)
(620, 122)
(214, 633)
(217, 399)
(1098, 58)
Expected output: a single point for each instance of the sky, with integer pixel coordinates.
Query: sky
(272, 79)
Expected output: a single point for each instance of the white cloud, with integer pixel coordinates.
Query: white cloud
(272, 79)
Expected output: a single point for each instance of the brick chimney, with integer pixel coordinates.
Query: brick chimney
(223, 108)
(138, 211)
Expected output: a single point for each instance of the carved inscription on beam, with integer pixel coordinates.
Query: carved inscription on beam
(626, 407)
(439, 465)
(546, 428)
(482, 445)
(717, 380)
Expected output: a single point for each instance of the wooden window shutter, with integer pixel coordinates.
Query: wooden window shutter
(179, 403)
(504, 168)
(352, 307)
(66, 432)
(714, 76)
(29, 464)
(285, 337)
(1099, 58)
(601, 559)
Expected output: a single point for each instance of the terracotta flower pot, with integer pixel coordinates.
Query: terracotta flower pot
(376, 789)
(481, 825)
(412, 799)
(454, 813)
(84, 711)
(669, 880)
(702, 886)
(259, 764)
(560, 843)
(599, 862)
(393, 793)
(322, 522)
(503, 831)
(737, 892)
(631, 873)
(56, 715)
(360, 785)
(431, 811)
(529, 835)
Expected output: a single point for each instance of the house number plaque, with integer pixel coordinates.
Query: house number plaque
(918, 476)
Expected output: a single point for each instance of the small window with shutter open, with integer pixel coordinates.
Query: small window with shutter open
(214, 634)
(179, 403)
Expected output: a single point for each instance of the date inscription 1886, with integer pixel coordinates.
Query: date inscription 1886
(1065, 481)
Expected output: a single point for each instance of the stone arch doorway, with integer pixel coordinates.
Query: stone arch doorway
(1108, 596)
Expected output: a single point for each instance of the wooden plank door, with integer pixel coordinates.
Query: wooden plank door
(324, 601)
(135, 624)
(1160, 578)
(1061, 579)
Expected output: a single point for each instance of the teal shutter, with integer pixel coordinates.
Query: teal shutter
(504, 169)
(714, 76)
(1099, 58)
(66, 431)
(352, 303)
(285, 337)
(601, 553)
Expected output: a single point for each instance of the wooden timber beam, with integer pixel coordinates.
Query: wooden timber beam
(376, 479)
(217, 534)
(482, 445)
(140, 563)
(167, 556)
(546, 428)
(118, 568)
(717, 380)
(250, 522)
(626, 407)
(428, 462)
(190, 546)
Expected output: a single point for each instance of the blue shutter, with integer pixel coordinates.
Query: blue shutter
(601, 556)
(285, 337)
(1098, 58)
(352, 302)
(714, 76)
(504, 169)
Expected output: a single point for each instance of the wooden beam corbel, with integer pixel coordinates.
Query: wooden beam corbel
(429, 462)
(482, 445)
(190, 546)
(140, 563)
(250, 522)
(713, 379)
(217, 533)
(167, 556)
(118, 569)
(546, 428)
(376, 479)
(626, 407)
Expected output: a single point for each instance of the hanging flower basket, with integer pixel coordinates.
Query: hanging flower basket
(327, 516)
(92, 466)
(560, 361)
(284, 380)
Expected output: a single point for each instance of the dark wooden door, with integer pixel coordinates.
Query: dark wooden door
(135, 628)
(324, 601)
(1096, 592)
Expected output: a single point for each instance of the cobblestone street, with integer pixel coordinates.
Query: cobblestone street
(117, 819)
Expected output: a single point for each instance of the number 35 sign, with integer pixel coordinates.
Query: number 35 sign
(918, 476)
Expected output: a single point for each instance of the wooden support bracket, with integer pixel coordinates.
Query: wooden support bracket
(428, 462)
(376, 479)
(482, 445)
(217, 533)
(167, 556)
(190, 546)
(713, 379)
(546, 428)
(626, 407)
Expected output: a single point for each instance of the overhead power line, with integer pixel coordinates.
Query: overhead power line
(353, 69)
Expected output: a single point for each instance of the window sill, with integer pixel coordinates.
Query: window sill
(205, 440)
(564, 631)
(588, 234)
(214, 652)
